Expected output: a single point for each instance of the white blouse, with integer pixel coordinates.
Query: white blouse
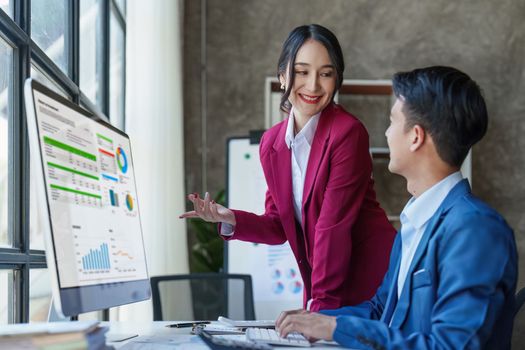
(300, 145)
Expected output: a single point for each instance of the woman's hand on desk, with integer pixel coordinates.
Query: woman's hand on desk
(208, 210)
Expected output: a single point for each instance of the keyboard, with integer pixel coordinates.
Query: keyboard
(270, 336)
(218, 343)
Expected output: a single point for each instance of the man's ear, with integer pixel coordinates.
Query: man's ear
(418, 137)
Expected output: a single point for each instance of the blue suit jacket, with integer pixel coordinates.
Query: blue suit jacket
(459, 290)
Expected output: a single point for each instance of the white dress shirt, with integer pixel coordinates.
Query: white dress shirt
(300, 145)
(414, 220)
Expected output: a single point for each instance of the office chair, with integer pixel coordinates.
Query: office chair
(519, 321)
(202, 296)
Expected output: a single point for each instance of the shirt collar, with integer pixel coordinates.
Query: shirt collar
(419, 210)
(308, 131)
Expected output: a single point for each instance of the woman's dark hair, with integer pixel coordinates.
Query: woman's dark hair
(293, 43)
(447, 104)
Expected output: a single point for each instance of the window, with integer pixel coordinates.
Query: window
(117, 52)
(39, 74)
(48, 29)
(78, 50)
(6, 284)
(91, 50)
(6, 103)
(7, 6)
(121, 4)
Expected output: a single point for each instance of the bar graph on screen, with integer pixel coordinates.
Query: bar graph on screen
(97, 259)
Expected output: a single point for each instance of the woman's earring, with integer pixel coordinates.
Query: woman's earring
(282, 86)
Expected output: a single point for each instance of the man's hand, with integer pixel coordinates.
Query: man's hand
(312, 325)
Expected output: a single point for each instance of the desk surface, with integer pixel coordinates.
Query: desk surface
(155, 335)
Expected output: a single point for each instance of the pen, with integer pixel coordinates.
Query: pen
(187, 324)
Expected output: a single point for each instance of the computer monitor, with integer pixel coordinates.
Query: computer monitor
(88, 205)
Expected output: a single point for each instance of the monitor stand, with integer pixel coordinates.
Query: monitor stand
(53, 316)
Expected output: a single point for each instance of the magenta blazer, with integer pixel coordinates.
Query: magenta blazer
(343, 246)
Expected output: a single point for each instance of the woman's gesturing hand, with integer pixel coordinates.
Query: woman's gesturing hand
(208, 210)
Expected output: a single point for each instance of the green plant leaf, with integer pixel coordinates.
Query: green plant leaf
(204, 231)
(220, 197)
(200, 264)
(217, 258)
(207, 252)
(201, 254)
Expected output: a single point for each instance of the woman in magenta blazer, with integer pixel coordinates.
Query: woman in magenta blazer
(318, 170)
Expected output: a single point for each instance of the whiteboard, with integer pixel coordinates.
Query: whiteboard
(277, 283)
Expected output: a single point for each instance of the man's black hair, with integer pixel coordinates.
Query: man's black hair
(447, 104)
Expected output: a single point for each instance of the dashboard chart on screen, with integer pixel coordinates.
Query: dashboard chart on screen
(91, 195)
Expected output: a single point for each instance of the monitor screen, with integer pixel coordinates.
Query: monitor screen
(89, 203)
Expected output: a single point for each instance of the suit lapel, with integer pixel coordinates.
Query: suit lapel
(403, 304)
(280, 157)
(391, 300)
(404, 300)
(317, 151)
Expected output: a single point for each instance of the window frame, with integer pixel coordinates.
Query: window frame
(19, 258)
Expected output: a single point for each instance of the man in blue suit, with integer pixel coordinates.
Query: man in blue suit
(453, 268)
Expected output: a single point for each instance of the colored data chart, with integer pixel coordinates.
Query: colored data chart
(107, 161)
(129, 202)
(278, 287)
(296, 287)
(109, 177)
(291, 273)
(122, 160)
(70, 195)
(123, 254)
(105, 141)
(277, 253)
(113, 198)
(97, 259)
(288, 282)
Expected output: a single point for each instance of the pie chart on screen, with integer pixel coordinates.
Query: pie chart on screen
(122, 160)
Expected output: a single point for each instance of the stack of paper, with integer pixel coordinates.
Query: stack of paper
(217, 328)
(247, 323)
(55, 335)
